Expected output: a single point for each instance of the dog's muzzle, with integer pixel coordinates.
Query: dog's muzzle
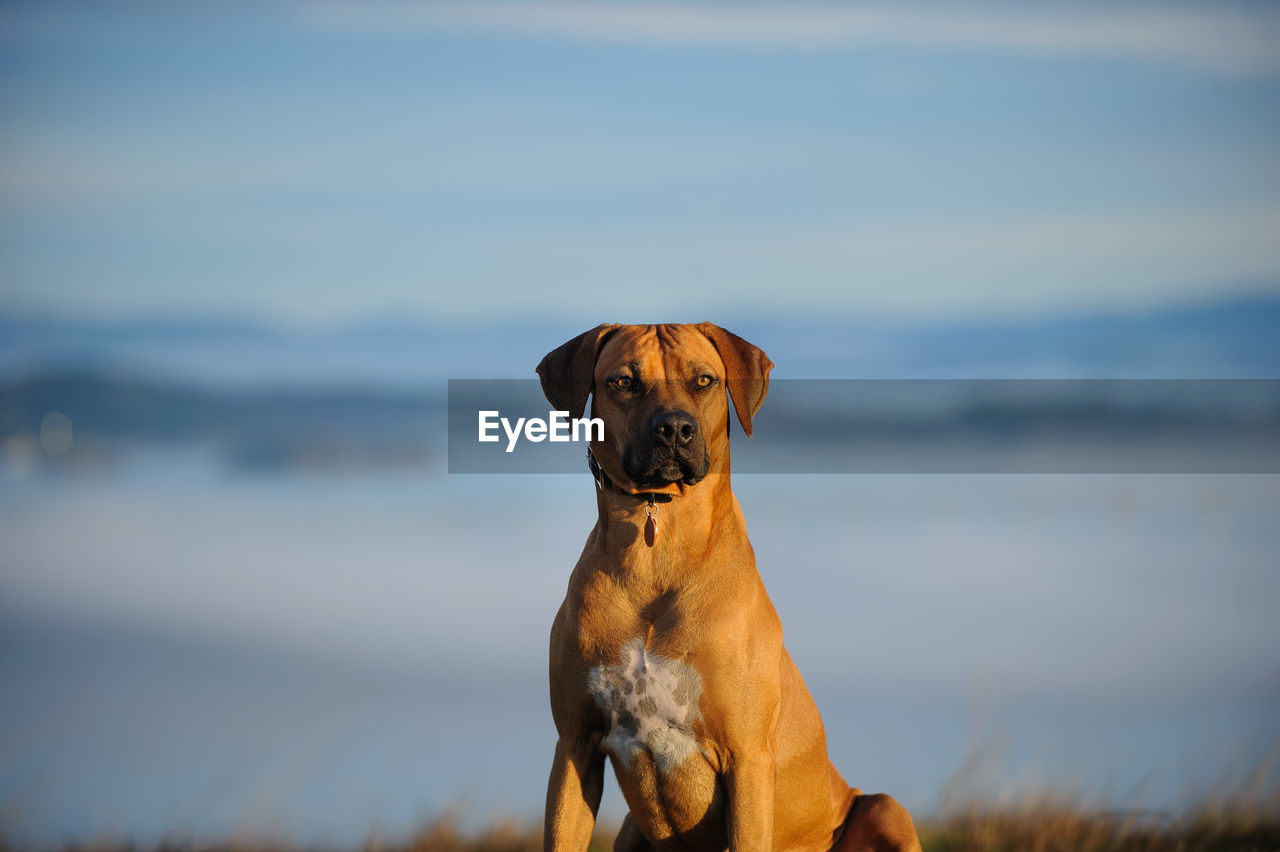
(672, 449)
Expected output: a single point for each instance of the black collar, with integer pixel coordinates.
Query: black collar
(604, 483)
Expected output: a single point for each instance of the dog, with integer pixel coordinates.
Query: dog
(667, 653)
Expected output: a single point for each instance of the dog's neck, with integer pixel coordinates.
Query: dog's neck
(688, 525)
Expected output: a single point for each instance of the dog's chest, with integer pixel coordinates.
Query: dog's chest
(651, 703)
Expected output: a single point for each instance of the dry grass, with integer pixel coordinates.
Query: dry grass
(1244, 817)
(1048, 828)
(1043, 826)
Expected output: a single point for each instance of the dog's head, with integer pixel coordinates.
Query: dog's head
(660, 390)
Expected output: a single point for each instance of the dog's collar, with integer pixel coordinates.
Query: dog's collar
(604, 483)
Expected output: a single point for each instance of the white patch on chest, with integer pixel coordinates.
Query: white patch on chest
(651, 702)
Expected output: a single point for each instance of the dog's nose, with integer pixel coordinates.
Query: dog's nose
(673, 428)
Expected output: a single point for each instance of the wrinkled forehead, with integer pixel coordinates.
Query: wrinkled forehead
(657, 351)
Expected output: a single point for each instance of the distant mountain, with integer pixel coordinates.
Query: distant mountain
(258, 355)
(248, 428)
(809, 426)
(1229, 338)
(264, 397)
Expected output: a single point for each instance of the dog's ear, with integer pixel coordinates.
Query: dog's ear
(567, 371)
(746, 371)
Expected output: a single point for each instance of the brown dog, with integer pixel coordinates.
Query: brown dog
(667, 654)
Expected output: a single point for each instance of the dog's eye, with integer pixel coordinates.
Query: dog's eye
(705, 380)
(621, 382)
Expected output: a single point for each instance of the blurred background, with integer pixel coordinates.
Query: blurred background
(244, 246)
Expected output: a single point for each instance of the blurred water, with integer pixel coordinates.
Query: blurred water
(190, 649)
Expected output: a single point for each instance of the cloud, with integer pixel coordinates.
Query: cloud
(1211, 37)
(304, 268)
(920, 267)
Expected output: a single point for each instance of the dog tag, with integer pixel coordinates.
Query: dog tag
(650, 530)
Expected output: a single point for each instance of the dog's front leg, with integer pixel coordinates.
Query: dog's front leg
(573, 794)
(750, 788)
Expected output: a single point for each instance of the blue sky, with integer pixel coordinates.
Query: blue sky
(328, 162)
